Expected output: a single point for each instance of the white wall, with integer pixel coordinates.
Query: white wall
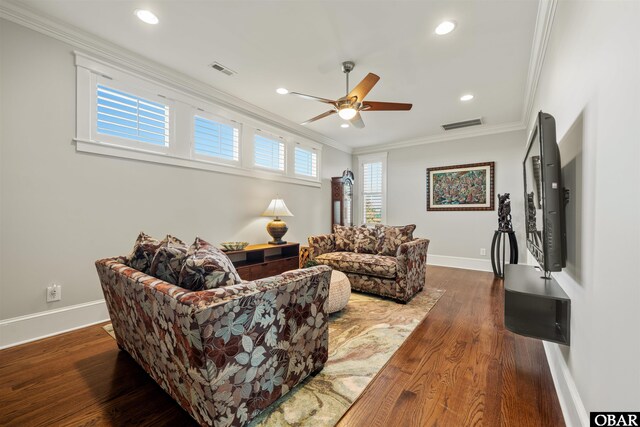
(590, 83)
(456, 237)
(61, 210)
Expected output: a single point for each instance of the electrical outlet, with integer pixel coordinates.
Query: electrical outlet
(483, 251)
(54, 293)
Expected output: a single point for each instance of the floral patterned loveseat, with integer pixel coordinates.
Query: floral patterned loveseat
(223, 354)
(383, 260)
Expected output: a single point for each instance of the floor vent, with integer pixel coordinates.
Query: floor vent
(463, 124)
(219, 67)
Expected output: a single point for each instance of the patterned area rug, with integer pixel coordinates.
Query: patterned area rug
(362, 338)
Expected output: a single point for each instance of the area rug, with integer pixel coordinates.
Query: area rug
(362, 338)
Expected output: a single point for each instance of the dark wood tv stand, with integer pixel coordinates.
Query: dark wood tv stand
(265, 260)
(534, 306)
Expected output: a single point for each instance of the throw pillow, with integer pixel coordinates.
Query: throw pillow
(366, 240)
(345, 238)
(143, 252)
(207, 267)
(168, 260)
(392, 237)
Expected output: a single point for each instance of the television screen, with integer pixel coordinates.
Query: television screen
(544, 196)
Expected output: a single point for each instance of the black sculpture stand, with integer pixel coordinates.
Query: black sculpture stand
(498, 251)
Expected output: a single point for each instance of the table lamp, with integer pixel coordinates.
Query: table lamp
(277, 228)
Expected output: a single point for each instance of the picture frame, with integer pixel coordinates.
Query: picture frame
(468, 187)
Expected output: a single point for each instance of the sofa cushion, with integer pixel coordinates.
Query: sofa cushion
(143, 252)
(168, 260)
(366, 240)
(207, 267)
(345, 237)
(391, 237)
(369, 264)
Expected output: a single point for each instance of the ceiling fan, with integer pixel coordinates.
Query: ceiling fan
(349, 106)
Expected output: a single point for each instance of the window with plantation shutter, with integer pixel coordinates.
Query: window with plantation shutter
(268, 152)
(128, 116)
(306, 162)
(372, 189)
(215, 139)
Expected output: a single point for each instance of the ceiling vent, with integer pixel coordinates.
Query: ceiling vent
(219, 67)
(463, 124)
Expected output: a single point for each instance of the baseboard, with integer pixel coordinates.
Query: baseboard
(24, 329)
(573, 410)
(460, 262)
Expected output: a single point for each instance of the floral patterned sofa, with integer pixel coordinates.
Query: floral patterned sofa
(383, 260)
(223, 354)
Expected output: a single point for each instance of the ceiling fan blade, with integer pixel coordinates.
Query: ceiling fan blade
(357, 121)
(364, 87)
(321, 116)
(385, 106)
(313, 98)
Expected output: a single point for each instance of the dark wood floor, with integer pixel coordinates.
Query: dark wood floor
(460, 367)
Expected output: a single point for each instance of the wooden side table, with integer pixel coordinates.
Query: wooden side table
(265, 260)
(304, 255)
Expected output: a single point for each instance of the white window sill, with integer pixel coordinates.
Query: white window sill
(94, 147)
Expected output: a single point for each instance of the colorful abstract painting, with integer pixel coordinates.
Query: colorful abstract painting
(461, 187)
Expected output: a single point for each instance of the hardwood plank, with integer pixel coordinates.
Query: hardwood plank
(460, 366)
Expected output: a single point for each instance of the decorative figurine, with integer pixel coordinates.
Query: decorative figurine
(504, 213)
(505, 228)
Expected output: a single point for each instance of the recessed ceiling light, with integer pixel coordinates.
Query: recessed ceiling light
(344, 125)
(467, 97)
(147, 16)
(282, 91)
(445, 27)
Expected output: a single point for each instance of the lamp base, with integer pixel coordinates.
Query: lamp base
(277, 229)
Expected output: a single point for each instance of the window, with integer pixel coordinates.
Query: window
(372, 188)
(214, 139)
(143, 115)
(268, 152)
(131, 117)
(306, 162)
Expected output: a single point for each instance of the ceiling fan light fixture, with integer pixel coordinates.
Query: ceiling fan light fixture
(347, 113)
(146, 16)
(445, 27)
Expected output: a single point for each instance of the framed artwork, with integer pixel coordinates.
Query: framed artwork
(461, 187)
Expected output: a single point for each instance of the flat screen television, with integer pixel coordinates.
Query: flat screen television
(544, 196)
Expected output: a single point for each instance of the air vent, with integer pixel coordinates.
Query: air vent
(463, 124)
(219, 67)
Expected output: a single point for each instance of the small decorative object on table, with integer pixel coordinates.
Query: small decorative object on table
(277, 228)
(498, 245)
(234, 246)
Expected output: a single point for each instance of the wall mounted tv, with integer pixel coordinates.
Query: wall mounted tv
(545, 196)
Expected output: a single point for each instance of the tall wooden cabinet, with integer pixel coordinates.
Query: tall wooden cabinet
(342, 199)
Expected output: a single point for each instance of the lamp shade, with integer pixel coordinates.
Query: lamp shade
(277, 208)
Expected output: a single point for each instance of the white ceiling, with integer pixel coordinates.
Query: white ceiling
(300, 45)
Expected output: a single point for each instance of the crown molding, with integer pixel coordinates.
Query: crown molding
(544, 24)
(123, 57)
(449, 136)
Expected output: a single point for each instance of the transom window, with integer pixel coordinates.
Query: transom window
(268, 152)
(306, 162)
(128, 116)
(215, 139)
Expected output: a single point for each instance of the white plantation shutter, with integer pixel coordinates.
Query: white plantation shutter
(372, 192)
(268, 152)
(128, 116)
(306, 162)
(215, 139)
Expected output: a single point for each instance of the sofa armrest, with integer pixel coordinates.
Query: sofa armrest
(412, 257)
(321, 244)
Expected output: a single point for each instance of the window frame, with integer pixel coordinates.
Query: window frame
(313, 151)
(184, 105)
(362, 160)
(218, 119)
